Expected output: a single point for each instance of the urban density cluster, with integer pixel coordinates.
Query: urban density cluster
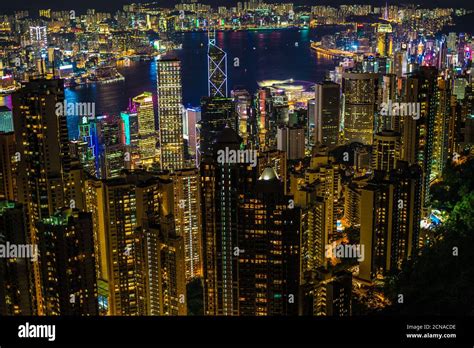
(298, 198)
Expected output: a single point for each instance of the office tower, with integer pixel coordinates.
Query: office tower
(390, 211)
(386, 150)
(130, 126)
(360, 96)
(268, 248)
(193, 116)
(418, 135)
(7, 166)
(327, 113)
(217, 68)
(111, 154)
(292, 141)
(170, 114)
(86, 148)
(130, 130)
(146, 129)
(67, 264)
(261, 121)
(188, 218)
(243, 105)
(6, 119)
(38, 36)
(216, 114)
(16, 272)
(328, 293)
(221, 184)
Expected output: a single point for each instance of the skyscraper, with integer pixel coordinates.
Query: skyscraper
(67, 264)
(41, 139)
(7, 166)
(220, 187)
(292, 141)
(360, 93)
(170, 114)
(17, 295)
(6, 119)
(390, 211)
(146, 129)
(188, 218)
(268, 249)
(386, 150)
(327, 113)
(217, 68)
(216, 114)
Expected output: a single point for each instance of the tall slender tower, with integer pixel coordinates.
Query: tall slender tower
(146, 128)
(216, 67)
(170, 114)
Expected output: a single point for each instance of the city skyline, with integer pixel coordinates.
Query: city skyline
(347, 191)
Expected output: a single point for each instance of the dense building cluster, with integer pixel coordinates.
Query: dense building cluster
(287, 201)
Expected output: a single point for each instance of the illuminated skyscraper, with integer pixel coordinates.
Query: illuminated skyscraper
(6, 120)
(268, 249)
(7, 166)
(192, 118)
(41, 138)
(386, 150)
(67, 264)
(146, 129)
(188, 218)
(243, 106)
(16, 273)
(126, 260)
(170, 114)
(216, 114)
(390, 213)
(144, 258)
(317, 194)
(359, 106)
(327, 113)
(220, 186)
(418, 135)
(328, 293)
(112, 157)
(217, 68)
(38, 36)
(444, 117)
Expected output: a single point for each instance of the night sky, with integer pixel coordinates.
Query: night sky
(8, 5)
